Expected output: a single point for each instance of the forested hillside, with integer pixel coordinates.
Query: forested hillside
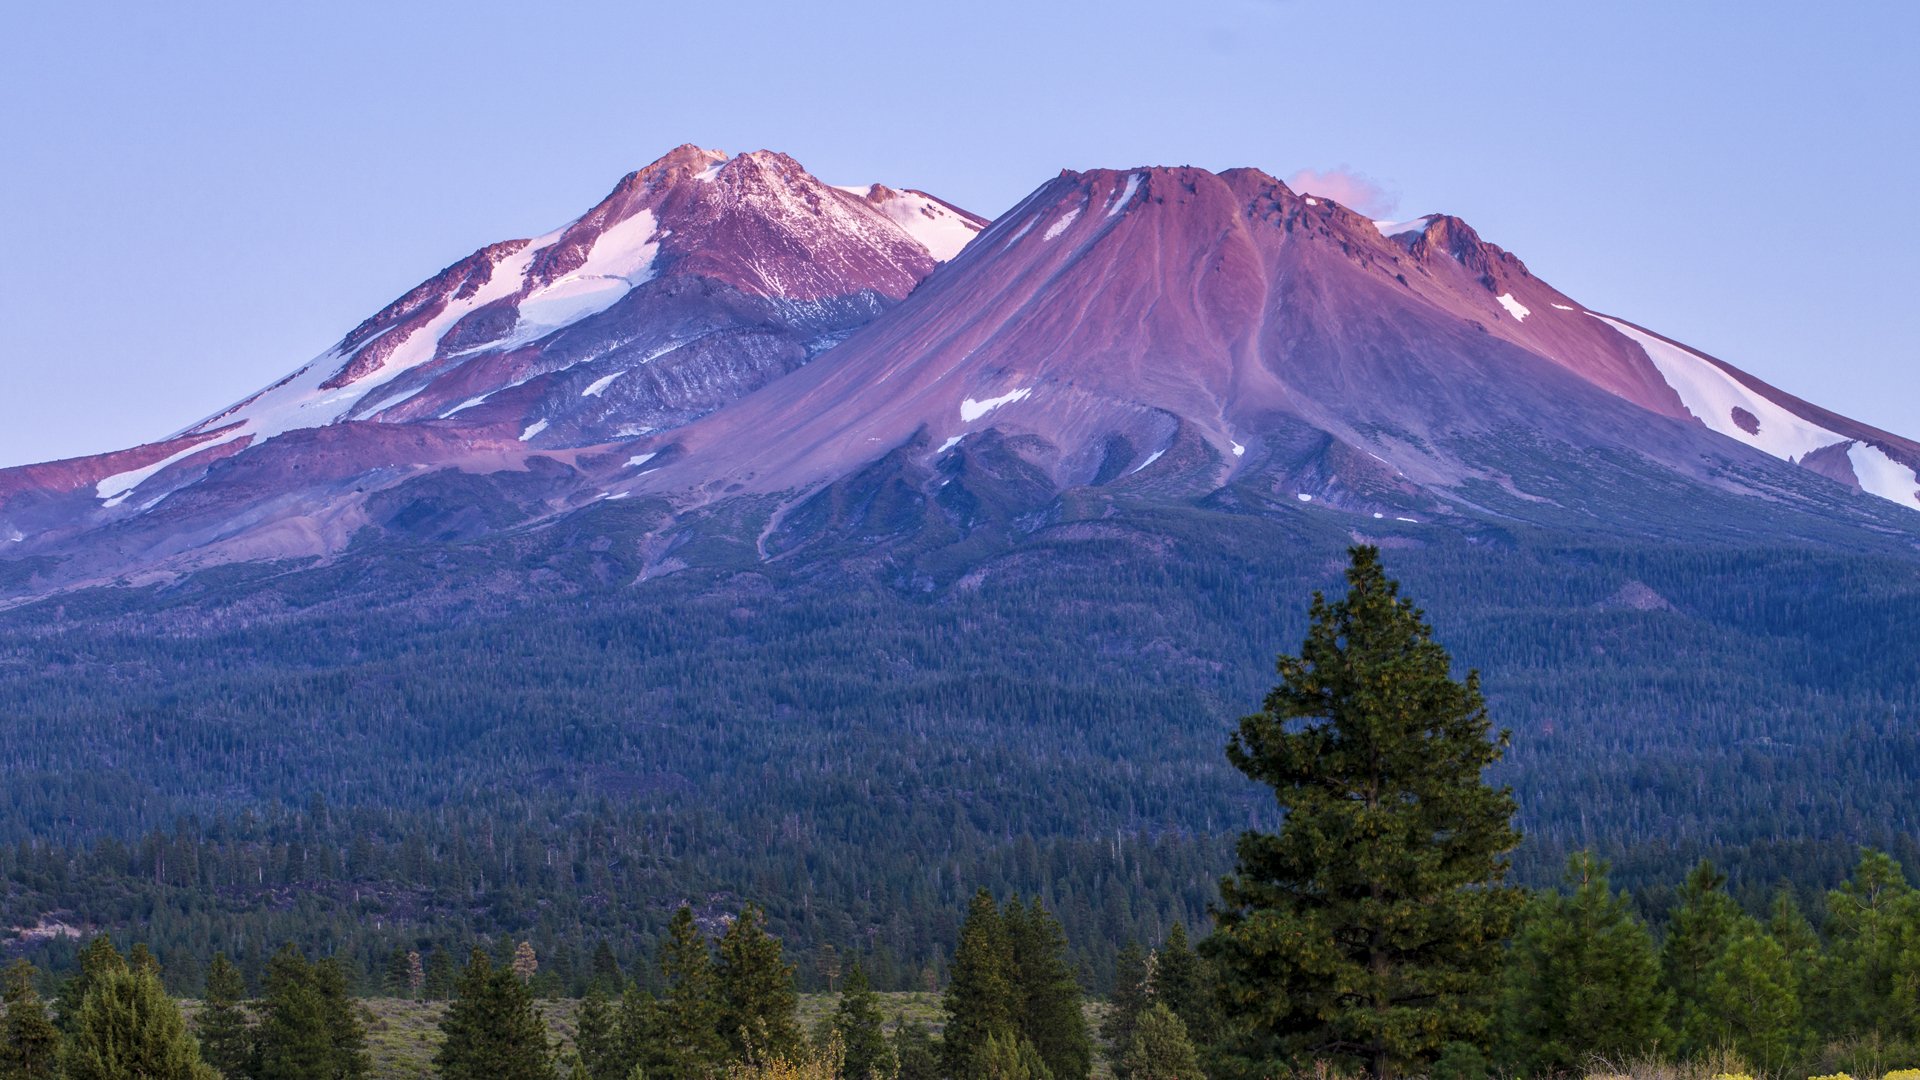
(424, 741)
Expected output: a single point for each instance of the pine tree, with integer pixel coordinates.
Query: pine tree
(31, 1050)
(687, 1017)
(860, 1024)
(525, 963)
(980, 988)
(636, 1033)
(399, 972)
(1864, 918)
(1582, 978)
(606, 968)
(593, 1041)
(1369, 926)
(294, 1039)
(129, 1028)
(913, 1050)
(1698, 929)
(1129, 1000)
(97, 958)
(1160, 1049)
(493, 1031)
(1046, 1002)
(1749, 1002)
(226, 1037)
(1806, 957)
(346, 1029)
(416, 976)
(754, 990)
(1180, 983)
(1008, 1056)
(438, 982)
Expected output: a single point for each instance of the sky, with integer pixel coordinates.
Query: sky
(197, 198)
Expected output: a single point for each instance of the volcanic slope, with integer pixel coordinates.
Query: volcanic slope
(1189, 330)
(697, 280)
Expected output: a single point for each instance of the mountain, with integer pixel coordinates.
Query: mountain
(800, 538)
(698, 279)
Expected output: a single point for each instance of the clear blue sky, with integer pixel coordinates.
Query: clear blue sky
(196, 198)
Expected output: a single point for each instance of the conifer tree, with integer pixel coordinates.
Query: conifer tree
(525, 963)
(1046, 1001)
(859, 1022)
(96, 959)
(1583, 978)
(1864, 918)
(31, 1048)
(399, 978)
(636, 1041)
(1180, 983)
(1160, 1049)
(980, 988)
(606, 968)
(687, 1018)
(754, 990)
(1369, 926)
(1699, 928)
(1749, 1002)
(438, 982)
(1007, 1056)
(1806, 957)
(226, 1037)
(129, 1028)
(493, 1031)
(593, 1040)
(346, 1029)
(294, 1040)
(1129, 1000)
(913, 1050)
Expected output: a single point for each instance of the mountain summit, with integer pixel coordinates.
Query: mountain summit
(721, 328)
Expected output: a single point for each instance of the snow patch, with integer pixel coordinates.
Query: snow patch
(1395, 228)
(941, 231)
(638, 460)
(621, 258)
(949, 444)
(1151, 458)
(1406, 519)
(1238, 450)
(1514, 307)
(115, 489)
(1379, 515)
(1881, 475)
(708, 174)
(599, 386)
(1564, 307)
(1311, 201)
(533, 429)
(1060, 226)
(971, 410)
(1304, 497)
(1133, 185)
(1024, 230)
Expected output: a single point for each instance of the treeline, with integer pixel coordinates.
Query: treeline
(358, 886)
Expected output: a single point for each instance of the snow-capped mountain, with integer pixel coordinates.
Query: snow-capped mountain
(719, 327)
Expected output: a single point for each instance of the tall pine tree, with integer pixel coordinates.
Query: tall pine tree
(1369, 926)
(1582, 978)
(493, 1031)
(226, 1037)
(980, 988)
(129, 1028)
(294, 1040)
(31, 1048)
(1129, 1000)
(1699, 928)
(858, 1021)
(755, 993)
(687, 1018)
(1047, 997)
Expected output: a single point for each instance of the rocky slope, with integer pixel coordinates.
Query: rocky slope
(719, 329)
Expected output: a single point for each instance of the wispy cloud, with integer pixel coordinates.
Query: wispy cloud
(1351, 189)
